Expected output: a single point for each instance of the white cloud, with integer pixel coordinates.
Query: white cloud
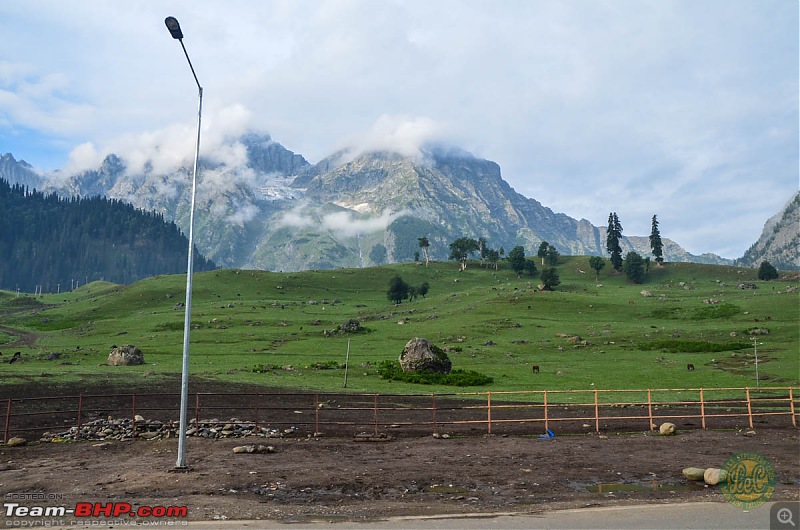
(341, 224)
(399, 134)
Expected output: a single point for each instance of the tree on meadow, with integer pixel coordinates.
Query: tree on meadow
(613, 236)
(516, 258)
(655, 242)
(460, 250)
(766, 271)
(423, 289)
(549, 278)
(424, 244)
(597, 263)
(398, 290)
(552, 255)
(543, 250)
(530, 267)
(634, 267)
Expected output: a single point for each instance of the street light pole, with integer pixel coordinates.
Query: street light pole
(175, 30)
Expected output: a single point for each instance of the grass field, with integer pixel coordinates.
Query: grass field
(268, 328)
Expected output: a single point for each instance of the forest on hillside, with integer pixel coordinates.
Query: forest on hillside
(49, 243)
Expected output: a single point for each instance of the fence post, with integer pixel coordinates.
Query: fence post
(489, 412)
(80, 408)
(435, 428)
(650, 409)
(8, 419)
(197, 411)
(375, 396)
(258, 396)
(596, 413)
(133, 413)
(749, 407)
(791, 407)
(702, 410)
(546, 419)
(316, 414)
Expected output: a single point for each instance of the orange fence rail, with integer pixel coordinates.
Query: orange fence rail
(528, 412)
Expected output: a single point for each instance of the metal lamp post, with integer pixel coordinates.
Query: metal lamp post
(175, 30)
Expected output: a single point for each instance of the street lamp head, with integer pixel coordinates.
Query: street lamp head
(173, 27)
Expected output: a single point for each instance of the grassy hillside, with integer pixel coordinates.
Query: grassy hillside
(268, 328)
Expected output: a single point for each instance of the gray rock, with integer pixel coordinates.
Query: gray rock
(421, 355)
(126, 355)
(694, 473)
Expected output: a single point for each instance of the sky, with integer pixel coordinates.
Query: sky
(684, 109)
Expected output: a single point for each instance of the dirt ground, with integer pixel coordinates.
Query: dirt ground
(334, 479)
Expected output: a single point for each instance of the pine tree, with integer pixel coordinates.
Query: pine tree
(655, 242)
(613, 235)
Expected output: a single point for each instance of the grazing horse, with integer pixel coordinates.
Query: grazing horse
(690, 367)
(15, 358)
(535, 368)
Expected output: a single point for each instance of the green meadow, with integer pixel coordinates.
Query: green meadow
(279, 329)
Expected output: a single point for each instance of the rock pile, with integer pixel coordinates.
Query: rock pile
(127, 429)
(125, 356)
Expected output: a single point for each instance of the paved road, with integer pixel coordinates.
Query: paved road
(705, 515)
(699, 515)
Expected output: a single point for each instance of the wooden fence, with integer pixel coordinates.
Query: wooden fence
(526, 413)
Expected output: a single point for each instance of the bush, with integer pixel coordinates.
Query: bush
(767, 272)
(391, 370)
(691, 346)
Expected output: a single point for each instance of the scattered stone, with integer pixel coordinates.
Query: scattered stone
(126, 355)
(667, 429)
(367, 437)
(694, 473)
(253, 449)
(646, 293)
(351, 325)
(714, 476)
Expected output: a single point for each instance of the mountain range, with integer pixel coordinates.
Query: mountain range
(276, 211)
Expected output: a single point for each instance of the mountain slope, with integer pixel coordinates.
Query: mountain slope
(275, 211)
(47, 241)
(779, 241)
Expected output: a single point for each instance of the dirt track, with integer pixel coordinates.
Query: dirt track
(339, 478)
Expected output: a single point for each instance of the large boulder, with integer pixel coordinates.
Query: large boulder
(421, 355)
(694, 473)
(714, 476)
(126, 355)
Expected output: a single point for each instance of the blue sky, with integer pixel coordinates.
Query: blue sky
(684, 109)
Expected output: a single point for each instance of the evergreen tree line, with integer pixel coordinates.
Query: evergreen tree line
(49, 243)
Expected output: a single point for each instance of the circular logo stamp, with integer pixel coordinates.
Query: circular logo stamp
(750, 480)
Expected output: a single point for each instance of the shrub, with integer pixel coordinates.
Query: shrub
(391, 370)
(691, 346)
